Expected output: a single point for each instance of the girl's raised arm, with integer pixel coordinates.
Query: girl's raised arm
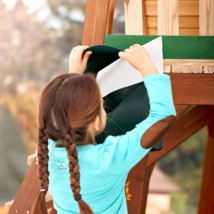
(121, 153)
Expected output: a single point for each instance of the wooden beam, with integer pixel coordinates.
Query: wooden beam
(98, 21)
(192, 121)
(206, 17)
(110, 17)
(135, 17)
(139, 176)
(193, 88)
(27, 192)
(137, 186)
(188, 66)
(182, 32)
(186, 8)
(185, 22)
(168, 17)
(206, 202)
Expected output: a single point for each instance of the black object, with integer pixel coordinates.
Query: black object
(125, 107)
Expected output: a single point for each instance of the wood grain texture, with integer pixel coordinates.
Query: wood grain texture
(195, 89)
(139, 178)
(206, 17)
(185, 22)
(110, 17)
(185, 8)
(206, 202)
(134, 17)
(98, 21)
(184, 127)
(27, 192)
(168, 17)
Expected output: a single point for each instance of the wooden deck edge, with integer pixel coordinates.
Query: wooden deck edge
(188, 66)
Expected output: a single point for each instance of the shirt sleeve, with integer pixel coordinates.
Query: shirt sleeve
(121, 153)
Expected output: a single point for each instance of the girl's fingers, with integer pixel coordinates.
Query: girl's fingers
(85, 57)
(122, 55)
(79, 49)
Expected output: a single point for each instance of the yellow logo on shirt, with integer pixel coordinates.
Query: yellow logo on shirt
(128, 195)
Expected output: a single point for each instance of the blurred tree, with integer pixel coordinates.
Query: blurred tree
(71, 16)
(184, 164)
(12, 155)
(26, 49)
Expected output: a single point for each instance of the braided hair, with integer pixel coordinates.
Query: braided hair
(68, 104)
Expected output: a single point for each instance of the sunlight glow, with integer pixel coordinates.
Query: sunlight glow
(33, 5)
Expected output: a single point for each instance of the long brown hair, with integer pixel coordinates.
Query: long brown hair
(68, 104)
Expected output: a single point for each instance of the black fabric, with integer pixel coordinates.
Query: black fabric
(125, 107)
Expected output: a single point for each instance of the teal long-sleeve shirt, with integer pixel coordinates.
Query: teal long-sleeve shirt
(104, 167)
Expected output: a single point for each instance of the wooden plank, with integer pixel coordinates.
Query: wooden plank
(138, 180)
(182, 32)
(183, 128)
(206, 202)
(188, 22)
(168, 17)
(152, 31)
(185, 8)
(188, 66)
(134, 13)
(98, 21)
(185, 22)
(110, 17)
(145, 23)
(137, 185)
(195, 89)
(189, 61)
(27, 192)
(206, 17)
(188, 8)
(151, 8)
(189, 32)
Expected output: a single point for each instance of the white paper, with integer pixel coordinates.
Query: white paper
(120, 73)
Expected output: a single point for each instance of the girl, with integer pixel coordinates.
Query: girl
(71, 114)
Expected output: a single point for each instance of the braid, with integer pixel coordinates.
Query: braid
(70, 145)
(39, 206)
(43, 160)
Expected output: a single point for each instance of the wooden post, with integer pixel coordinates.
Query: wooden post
(206, 203)
(184, 127)
(168, 17)
(98, 21)
(135, 17)
(27, 192)
(206, 17)
(137, 187)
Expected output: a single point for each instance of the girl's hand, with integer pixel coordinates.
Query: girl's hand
(137, 56)
(77, 64)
